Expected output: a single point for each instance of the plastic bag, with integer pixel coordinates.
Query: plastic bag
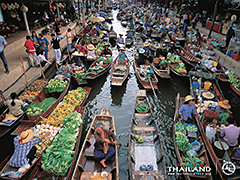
(191, 153)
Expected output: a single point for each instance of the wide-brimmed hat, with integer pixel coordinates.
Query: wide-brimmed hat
(25, 136)
(128, 30)
(141, 51)
(3, 6)
(159, 46)
(208, 95)
(13, 14)
(122, 48)
(24, 8)
(166, 41)
(224, 104)
(188, 98)
(90, 47)
(120, 34)
(146, 44)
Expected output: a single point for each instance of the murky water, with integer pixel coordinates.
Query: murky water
(120, 101)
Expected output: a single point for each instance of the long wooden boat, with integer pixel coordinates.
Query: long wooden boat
(26, 126)
(203, 122)
(201, 154)
(172, 65)
(143, 78)
(86, 165)
(93, 75)
(235, 89)
(175, 39)
(139, 42)
(160, 72)
(144, 125)
(118, 76)
(86, 30)
(39, 173)
(191, 59)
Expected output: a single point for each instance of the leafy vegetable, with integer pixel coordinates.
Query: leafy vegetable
(180, 127)
(182, 143)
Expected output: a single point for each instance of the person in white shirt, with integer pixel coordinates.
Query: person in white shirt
(42, 59)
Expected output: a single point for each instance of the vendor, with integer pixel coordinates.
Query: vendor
(195, 84)
(147, 49)
(94, 31)
(14, 105)
(223, 107)
(107, 50)
(149, 34)
(23, 148)
(105, 36)
(172, 48)
(230, 133)
(91, 52)
(122, 56)
(141, 59)
(104, 145)
(120, 40)
(187, 109)
(166, 42)
(159, 51)
(64, 69)
(129, 35)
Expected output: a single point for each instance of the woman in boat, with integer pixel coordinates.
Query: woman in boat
(91, 52)
(172, 49)
(129, 35)
(167, 42)
(122, 56)
(147, 49)
(24, 149)
(141, 59)
(106, 50)
(231, 133)
(187, 109)
(159, 51)
(64, 70)
(104, 145)
(120, 40)
(223, 107)
(14, 105)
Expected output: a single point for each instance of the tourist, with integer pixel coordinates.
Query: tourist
(31, 51)
(69, 39)
(231, 133)
(104, 145)
(14, 105)
(229, 35)
(42, 59)
(187, 109)
(58, 32)
(43, 44)
(57, 48)
(120, 39)
(223, 107)
(107, 50)
(3, 44)
(122, 56)
(34, 39)
(24, 149)
(194, 21)
(129, 35)
(91, 52)
(64, 70)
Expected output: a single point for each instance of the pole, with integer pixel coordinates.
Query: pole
(26, 22)
(24, 71)
(79, 10)
(56, 64)
(68, 55)
(214, 16)
(41, 68)
(58, 12)
(83, 17)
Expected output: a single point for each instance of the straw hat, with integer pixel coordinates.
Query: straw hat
(106, 44)
(3, 6)
(25, 136)
(166, 41)
(224, 104)
(188, 98)
(208, 95)
(141, 51)
(9, 7)
(122, 48)
(90, 47)
(159, 46)
(146, 44)
(120, 34)
(128, 30)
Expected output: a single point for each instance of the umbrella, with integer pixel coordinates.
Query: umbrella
(96, 19)
(100, 12)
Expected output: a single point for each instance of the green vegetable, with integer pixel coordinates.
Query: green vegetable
(191, 128)
(180, 127)
(223, 117)
(140, 140)
(136, 137)
(182, 143)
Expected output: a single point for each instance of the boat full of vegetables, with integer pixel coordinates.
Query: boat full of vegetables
(59, 154)
(55, 85)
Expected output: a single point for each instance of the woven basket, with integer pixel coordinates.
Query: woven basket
(140, 111)
(33, 118)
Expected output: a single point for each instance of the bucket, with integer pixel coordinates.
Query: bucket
(207, 85)
(218, 148)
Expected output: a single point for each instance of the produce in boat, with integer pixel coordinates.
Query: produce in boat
(55, 85)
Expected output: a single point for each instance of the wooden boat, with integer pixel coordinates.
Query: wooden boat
(192, 60)
(144, 78)
(144, 125)
(86, 30)
(160, 72)
(113, 35)
(117, 75)
(35, 169)
(204, 122)
(235, 89)
(86, 165)
(173, 38)
(95, 74)
(26, 125)
(172, 65)
(39, 173)
(139, 42)
(201, 154)
(188, 57)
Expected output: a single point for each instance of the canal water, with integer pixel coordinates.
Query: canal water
(120, 101)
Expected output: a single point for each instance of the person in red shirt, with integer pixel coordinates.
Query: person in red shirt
(31, 51)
